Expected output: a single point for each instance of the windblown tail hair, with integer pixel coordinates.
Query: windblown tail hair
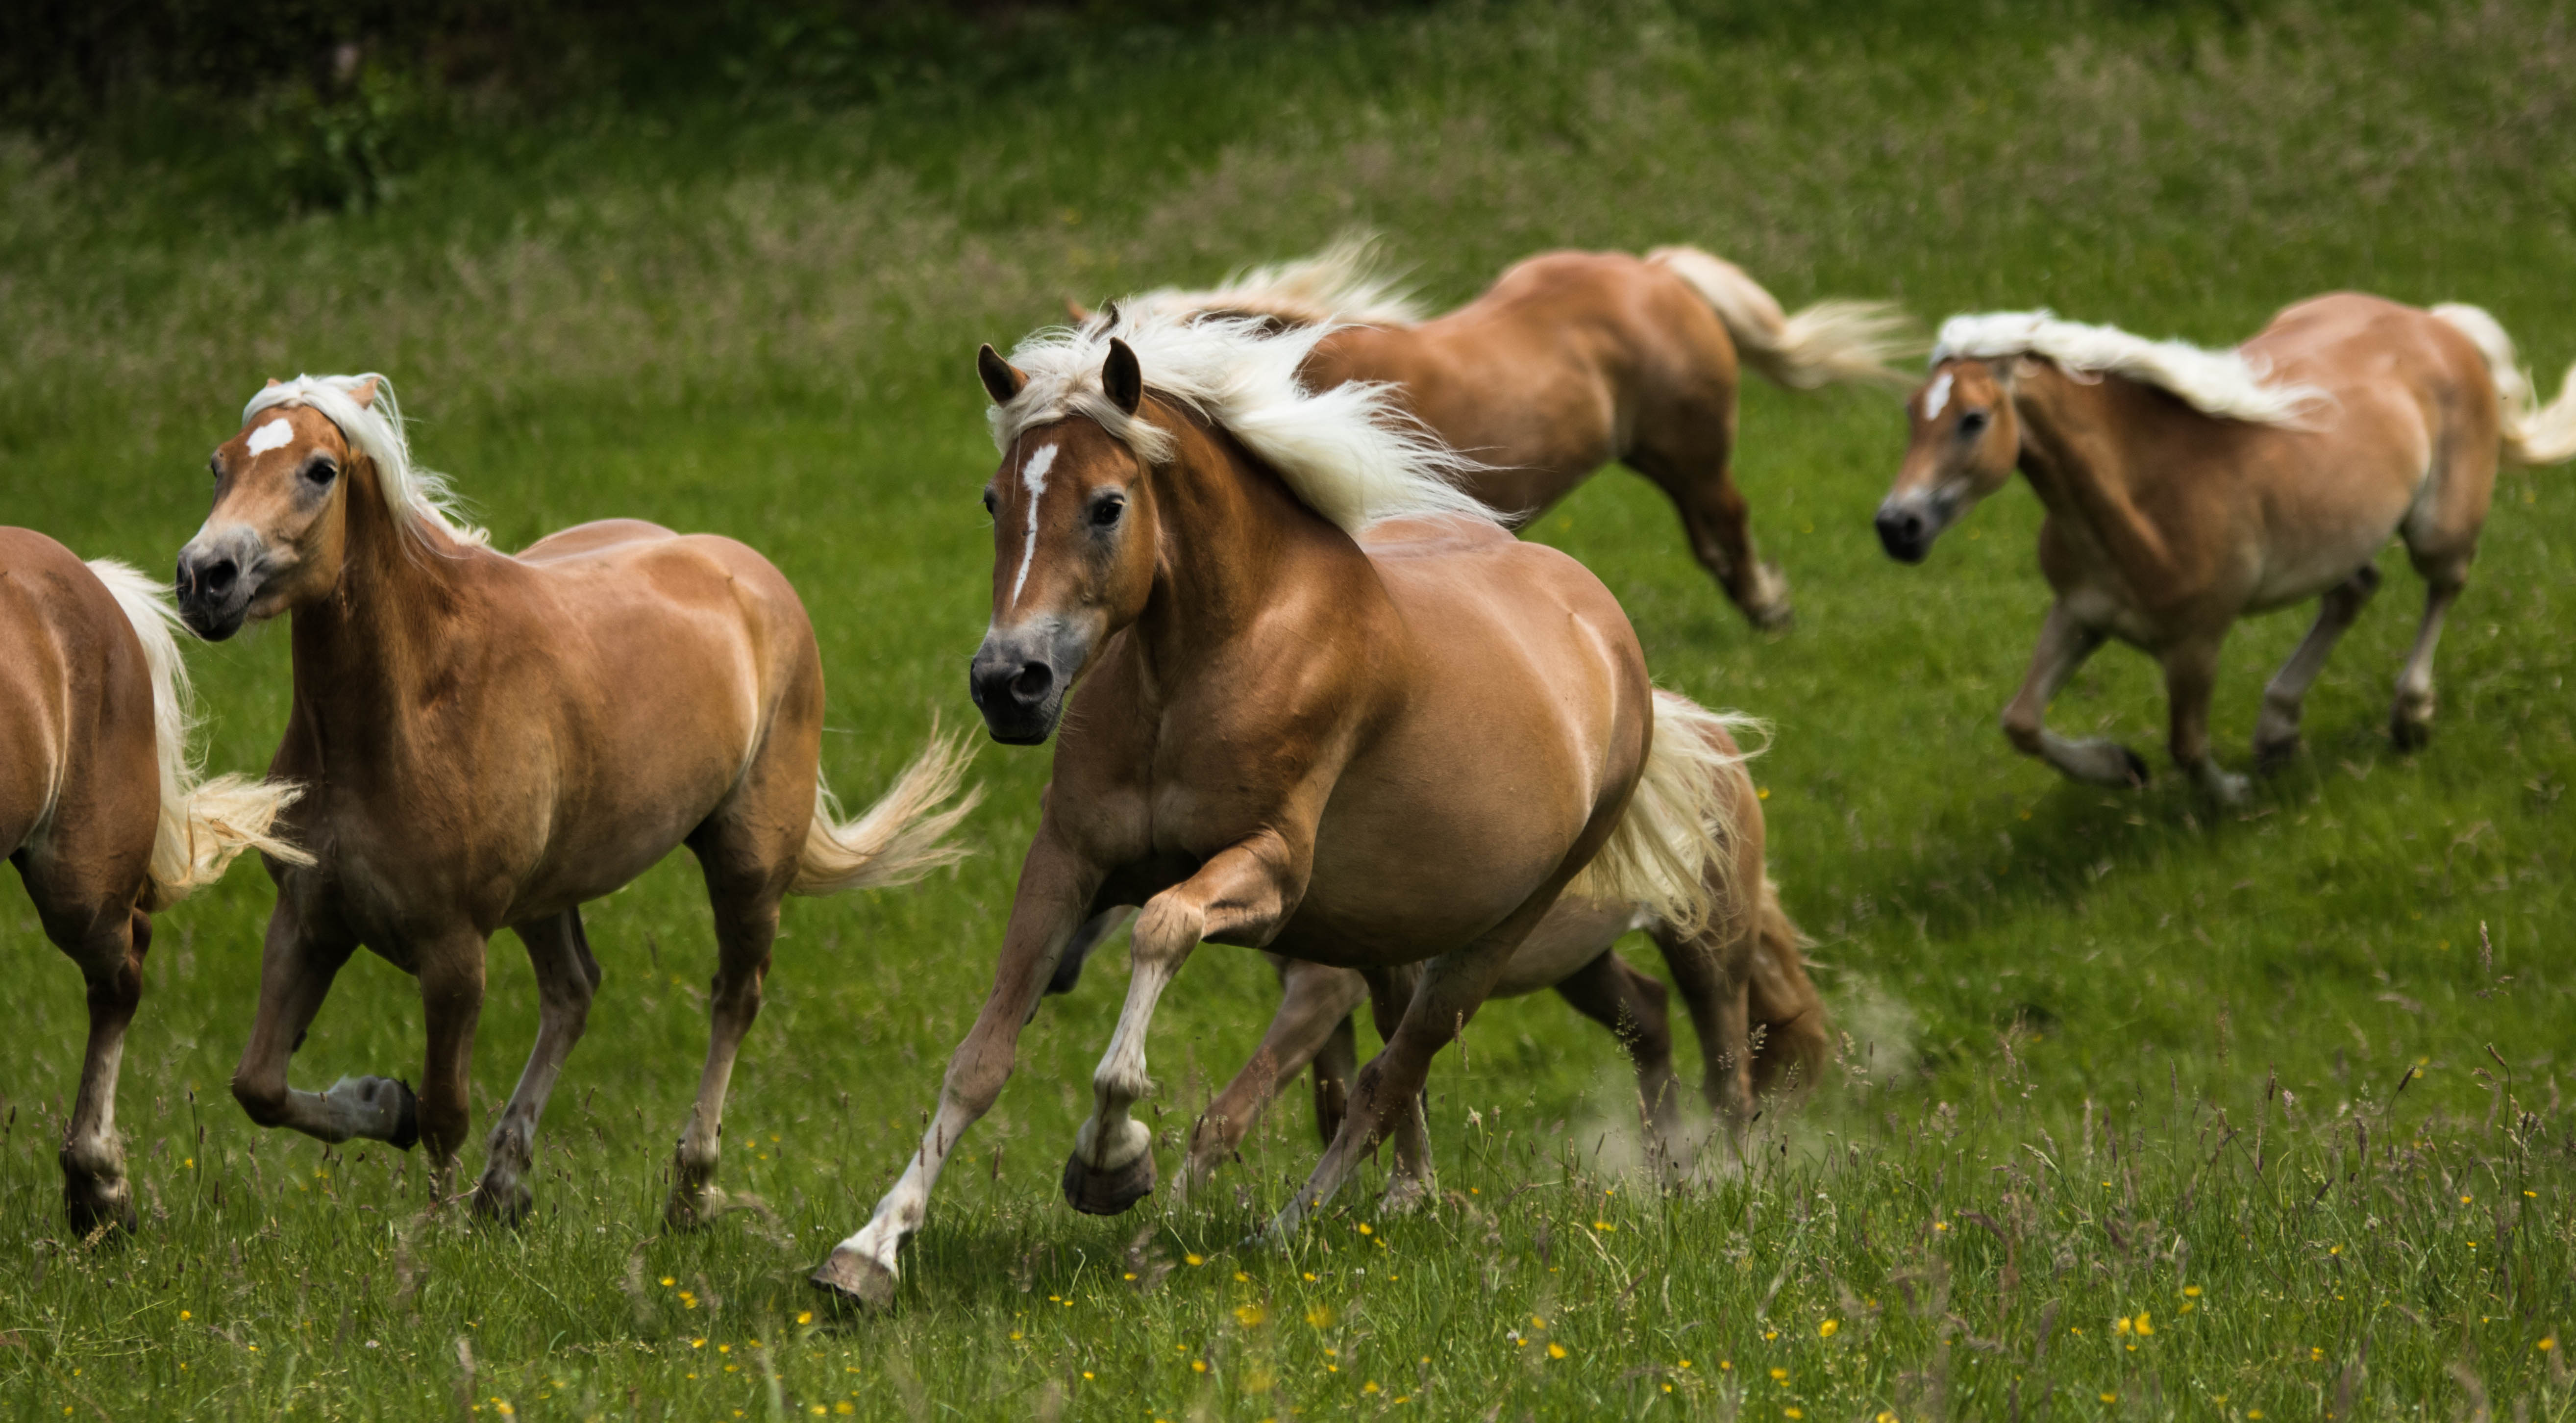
(204, 824)
(902, 837)
(2534, 434)
(1828, 342)
(1784, 1003)
(1676, 836)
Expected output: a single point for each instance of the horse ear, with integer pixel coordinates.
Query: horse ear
(1121, 378)
(274, 383)
(1002, 380)
(364, 392)
(1076, 312)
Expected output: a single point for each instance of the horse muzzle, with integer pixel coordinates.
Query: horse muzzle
(1907, 527)
(1018, 680)
(219, 574)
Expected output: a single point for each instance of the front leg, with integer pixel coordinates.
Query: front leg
(2064, 643)
(1244, 894)
(1315, 1004)
(1053, 901)
(567, 978)
(296, 968)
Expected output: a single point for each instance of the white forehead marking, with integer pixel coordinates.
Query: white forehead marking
(1937, 396)
(275, 435)
(1032, 478)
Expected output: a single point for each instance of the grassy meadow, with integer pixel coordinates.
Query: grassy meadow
(2143, 1111)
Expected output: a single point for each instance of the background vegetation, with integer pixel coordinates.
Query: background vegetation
(2144, 1112)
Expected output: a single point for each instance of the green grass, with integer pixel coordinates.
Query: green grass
(2104, 1050)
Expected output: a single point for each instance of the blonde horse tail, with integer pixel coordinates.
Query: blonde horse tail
(205, 825)
(1671, 853)
(900, 838)
(1783, 1001)
(2534, 434)
(1828, 342)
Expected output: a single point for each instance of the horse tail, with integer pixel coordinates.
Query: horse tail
(2534, 434)
(900, 838)
(1828, 342)
(1783, 1002)
(204, 824)
(1671, 853)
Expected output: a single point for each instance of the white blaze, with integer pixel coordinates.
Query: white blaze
(1937, 396)
(1033, 479)
(275, 435)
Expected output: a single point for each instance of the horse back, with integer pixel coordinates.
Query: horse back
(79, 770)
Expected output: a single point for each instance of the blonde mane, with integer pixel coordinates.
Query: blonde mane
(1351, 453)
(2226, 384)
(413, 495)
(1347, 282)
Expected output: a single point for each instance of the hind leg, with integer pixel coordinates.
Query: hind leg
(2410, 721)
(95, 1191)
(746, 914)
(1335, 1065)
(567, 976)
(2276, 733)
(2191, 675)
(1632, 1006)
(1411, 1183)
(1691, 464)
(1314, 1009)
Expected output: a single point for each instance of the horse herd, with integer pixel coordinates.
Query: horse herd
(1252, 572)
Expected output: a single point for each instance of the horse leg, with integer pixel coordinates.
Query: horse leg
(1053, 901)
(1314, 1007)
(451, 999)
(567, 976)
(2276, 732)
(296, 968)
(1453, 987)
(2191, 674)
(95, 1192)
(1632, 1006)
(2064, 643)
(1719, 524)
(1336, 1063)
(2411, 721)
(746, 910)
(1068, 965)
(1236, 894)
(1410, 1184)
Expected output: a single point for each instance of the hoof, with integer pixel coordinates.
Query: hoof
(690, 1209)
(406, 1119)
(503, 1205)
(2409, 733)
(2271, 757)
(93, 1205)
(1778, 617)
(1095, 1192)
(2136, 767)
(1404, 1195)
(851, 1276)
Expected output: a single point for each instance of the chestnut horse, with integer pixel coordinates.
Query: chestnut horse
(101, 808)
(2186, 488)
(1572, 360)
(489, 741)
(1760, 1022)
(1327, 706)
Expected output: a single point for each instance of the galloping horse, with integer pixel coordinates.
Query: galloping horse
(1572, 360)
(1327, 706)
(2186, 488)
(1761, 1024)
(488, 741)
(101, 808)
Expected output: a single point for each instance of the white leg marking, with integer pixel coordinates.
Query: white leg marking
(1032, 478)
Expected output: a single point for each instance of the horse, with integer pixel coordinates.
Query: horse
(1742, 977)
(1572, 360)
(102, 808)
(488, 740)
(1315, 699)
(2186, 488)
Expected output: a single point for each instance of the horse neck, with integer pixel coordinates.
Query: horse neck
(1232, 537)
(363, 654)
(2074, 452)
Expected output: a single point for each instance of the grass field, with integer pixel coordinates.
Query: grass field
(2144, 1111)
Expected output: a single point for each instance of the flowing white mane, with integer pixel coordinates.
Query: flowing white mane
(2226, 384)
(375, 429)
(1351, 453)
(1347, 282)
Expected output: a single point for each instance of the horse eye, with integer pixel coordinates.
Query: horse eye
(322, 471)
(1106, 512)
(992, 506)
(215, 465)
(1973, 423)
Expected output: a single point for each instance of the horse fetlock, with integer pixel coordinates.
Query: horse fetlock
(1766, 603)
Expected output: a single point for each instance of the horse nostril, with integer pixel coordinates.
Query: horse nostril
(216, 579)
(1032, 683)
